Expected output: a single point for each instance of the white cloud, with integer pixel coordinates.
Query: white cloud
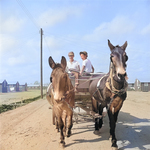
(7, 43)
(16, 60)
(53, 16)
(120, 25)
(146, 30)
(53, 42)
(10, 24)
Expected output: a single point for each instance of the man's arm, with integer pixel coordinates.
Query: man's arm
(79, 68)
(92, 69)
(82, 70)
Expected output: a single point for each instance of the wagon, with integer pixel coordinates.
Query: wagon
(84, 81)
(82, 96)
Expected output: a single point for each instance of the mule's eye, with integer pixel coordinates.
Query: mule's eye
(50, 79)
(111, 58)
(126, 57)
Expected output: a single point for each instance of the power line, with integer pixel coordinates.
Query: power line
(27, 13)
(75, 42)
(47, 44)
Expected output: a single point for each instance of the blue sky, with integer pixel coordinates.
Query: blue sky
(72, 25)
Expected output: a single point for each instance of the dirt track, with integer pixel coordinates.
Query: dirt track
(30, 128)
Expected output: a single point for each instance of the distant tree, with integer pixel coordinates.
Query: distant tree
(36, 83)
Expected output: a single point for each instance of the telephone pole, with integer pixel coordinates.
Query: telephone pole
(41, 33)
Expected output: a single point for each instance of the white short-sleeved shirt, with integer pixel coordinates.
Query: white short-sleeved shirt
(73, 65)
(88, 65)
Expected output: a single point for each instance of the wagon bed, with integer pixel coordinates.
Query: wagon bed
(84, 82)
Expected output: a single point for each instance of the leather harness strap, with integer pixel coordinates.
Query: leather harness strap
(110, 86)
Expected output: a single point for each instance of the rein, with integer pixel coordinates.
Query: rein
(109, 84)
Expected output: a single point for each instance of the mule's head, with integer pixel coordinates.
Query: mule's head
(59, 78)
(118, 58)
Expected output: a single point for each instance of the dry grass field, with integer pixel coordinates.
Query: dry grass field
(8, 98)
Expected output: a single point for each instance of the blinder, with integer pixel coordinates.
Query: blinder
(126, 57)
(111, 58)
(51, 79)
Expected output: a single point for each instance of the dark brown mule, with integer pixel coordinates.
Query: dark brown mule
(60, 95)
(110, 90)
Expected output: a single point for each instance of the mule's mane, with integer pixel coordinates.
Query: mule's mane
(57, 66)
(117, 46)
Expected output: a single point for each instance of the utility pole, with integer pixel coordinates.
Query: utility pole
(41, 32)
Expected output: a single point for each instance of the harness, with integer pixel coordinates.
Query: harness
(98, 90)
(109, 84)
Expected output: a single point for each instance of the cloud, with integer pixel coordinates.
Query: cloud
(53, 16)
(11, 24)
(146, 30)
(7, 44)
(16, 60)
(120, 25)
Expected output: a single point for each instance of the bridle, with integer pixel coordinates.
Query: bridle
(109, 82)
(65, 94)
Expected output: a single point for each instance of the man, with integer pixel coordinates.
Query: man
(87, 67)
(74, 68)
(72, 64)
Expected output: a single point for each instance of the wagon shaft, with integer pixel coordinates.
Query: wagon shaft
(88, 111)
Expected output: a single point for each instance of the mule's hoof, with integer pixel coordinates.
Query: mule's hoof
(57, 130)
(69, 134)
(62, 144)
(96, 132)
(110, 138)
(114, 148)
(114, 145)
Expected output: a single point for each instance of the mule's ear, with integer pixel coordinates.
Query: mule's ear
(110, 45)
(51, 62)
(63, 62)
(124, 45)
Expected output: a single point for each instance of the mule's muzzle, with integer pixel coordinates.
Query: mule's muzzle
(121, 76)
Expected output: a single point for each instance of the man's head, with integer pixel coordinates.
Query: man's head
(71, 55)
(83, 55)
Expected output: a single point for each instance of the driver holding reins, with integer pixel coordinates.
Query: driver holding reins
(73, 67)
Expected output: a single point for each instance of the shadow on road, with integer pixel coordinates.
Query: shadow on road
(131, 132)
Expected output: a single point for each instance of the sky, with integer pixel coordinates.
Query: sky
(72, 25)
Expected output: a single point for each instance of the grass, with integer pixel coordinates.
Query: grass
(10, 101)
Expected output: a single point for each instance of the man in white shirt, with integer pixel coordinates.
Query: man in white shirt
(86, 64)
(72, 64)
(74, 68)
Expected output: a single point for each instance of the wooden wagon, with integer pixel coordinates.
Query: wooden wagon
(82, 96)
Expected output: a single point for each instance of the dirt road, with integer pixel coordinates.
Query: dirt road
(30, 128)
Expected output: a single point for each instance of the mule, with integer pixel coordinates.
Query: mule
(60, 94)
(110, 90)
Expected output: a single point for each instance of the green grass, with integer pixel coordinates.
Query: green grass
(9, 101)
(5, 107)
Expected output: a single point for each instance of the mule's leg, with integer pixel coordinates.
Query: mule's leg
(100, 119)
(112, 123)
(55, 119)
(57, 125)
(95, 109)
(69, 124)
(64, 117)
(61, 125)
(54, 116)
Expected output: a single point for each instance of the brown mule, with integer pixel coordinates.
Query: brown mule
(110, 90)
(60, 94)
